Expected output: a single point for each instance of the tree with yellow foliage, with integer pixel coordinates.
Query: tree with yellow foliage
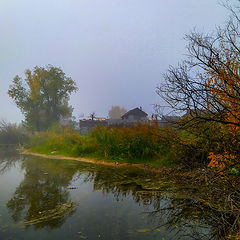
(206, 86)
(42, 96)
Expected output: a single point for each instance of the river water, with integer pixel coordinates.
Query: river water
(61, 199)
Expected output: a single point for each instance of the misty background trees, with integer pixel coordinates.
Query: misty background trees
(43, 96)
(11, 133)
(116, 112)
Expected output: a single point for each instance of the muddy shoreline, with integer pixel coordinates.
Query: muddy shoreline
(173, 172)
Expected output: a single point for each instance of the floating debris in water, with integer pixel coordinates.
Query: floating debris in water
(144, 230)
(48, 215)
(82, 236)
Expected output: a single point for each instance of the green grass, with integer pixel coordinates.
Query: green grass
(165, 161)
(138, 144)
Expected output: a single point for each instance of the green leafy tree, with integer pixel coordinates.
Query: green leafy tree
(43, 96)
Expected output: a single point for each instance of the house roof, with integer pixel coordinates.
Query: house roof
(136, 112)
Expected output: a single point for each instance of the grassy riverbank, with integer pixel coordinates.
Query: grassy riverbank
(138, 144)
(152, 147)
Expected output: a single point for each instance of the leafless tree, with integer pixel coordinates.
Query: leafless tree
(186, 88)
(92, 115)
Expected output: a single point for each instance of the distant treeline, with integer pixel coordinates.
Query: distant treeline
(12, 134)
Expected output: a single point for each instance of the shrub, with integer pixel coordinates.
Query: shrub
(66, 141)
(196, 139)
(136, 142)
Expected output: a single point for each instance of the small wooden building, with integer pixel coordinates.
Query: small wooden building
(134, 115)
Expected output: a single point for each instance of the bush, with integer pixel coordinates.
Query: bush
(65, 141)
(141, 142)
(196, 139)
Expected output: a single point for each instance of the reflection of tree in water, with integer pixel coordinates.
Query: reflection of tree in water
(8, 158)
(122, 182)
(43, 190)
(196, 219)
(182, 217)
(185, 214)
(41, 199)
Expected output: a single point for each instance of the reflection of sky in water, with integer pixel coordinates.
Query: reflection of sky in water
(9, 181)
(71, 200)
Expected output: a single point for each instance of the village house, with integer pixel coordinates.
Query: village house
(135, 115)
(131, 117)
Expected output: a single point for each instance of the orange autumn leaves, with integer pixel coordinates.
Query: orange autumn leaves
(220, 161)
(223, 84)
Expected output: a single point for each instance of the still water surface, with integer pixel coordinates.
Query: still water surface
(61, 199)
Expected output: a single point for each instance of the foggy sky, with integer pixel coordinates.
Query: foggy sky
(116, 50)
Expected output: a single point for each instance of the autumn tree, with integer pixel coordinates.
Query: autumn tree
(116, 112)
(206, 85)
(42, 96)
